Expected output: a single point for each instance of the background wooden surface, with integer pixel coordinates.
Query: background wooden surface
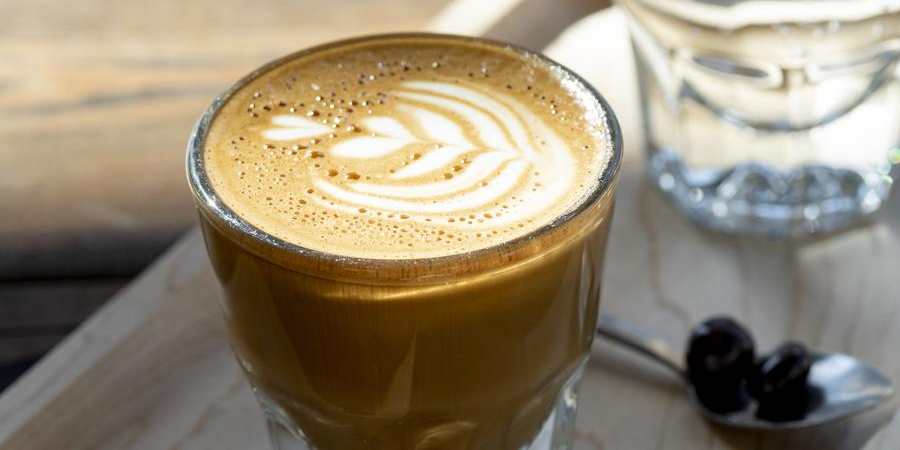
(96, 101)
(152, 370)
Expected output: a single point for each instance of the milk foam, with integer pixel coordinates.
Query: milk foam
(419, 158)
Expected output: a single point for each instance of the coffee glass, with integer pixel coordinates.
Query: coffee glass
(478, 350)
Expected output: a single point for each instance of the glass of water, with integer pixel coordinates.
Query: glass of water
(772, 117)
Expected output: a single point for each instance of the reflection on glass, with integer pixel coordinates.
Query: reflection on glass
(775, 118)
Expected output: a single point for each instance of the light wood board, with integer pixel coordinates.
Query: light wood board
(152, 370)
(96, 101)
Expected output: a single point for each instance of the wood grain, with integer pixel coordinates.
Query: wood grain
(127, 368)
(152, 369)
(35, 316)
(97, 99)
(836, 294)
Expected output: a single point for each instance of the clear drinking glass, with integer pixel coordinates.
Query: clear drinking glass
(774, 117)
(482, 350)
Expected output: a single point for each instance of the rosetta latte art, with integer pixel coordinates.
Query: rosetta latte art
(471, 151)
(407, 150)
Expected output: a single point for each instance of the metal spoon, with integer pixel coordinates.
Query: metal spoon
(848, 386)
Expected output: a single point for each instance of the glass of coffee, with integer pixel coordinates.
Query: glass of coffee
(408, 232)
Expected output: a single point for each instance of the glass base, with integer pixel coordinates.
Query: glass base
(283, 439)
(282, 433)
(756, 199)
(556, 432)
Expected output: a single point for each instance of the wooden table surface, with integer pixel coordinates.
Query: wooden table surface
(152, 369)
(96, 101)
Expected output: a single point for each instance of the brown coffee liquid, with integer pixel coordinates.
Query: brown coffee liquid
(464, 351)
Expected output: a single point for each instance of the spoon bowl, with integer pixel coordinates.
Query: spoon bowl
(841, 386)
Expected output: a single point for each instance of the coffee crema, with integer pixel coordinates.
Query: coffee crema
(407, 147)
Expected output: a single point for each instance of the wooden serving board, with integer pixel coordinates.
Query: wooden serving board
(153, 370)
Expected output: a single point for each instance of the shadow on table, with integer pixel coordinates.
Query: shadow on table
(848, 434)
(836, 293)
(12, 371)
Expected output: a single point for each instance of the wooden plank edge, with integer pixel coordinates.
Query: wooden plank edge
(122, 315)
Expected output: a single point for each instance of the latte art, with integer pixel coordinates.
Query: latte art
(473, 173)
(407, 154)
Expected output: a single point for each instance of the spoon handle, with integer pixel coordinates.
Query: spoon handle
(641, 341)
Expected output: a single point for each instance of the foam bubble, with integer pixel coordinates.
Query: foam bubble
(419, 158)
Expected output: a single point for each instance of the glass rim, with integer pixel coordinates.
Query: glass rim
(209, 201)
